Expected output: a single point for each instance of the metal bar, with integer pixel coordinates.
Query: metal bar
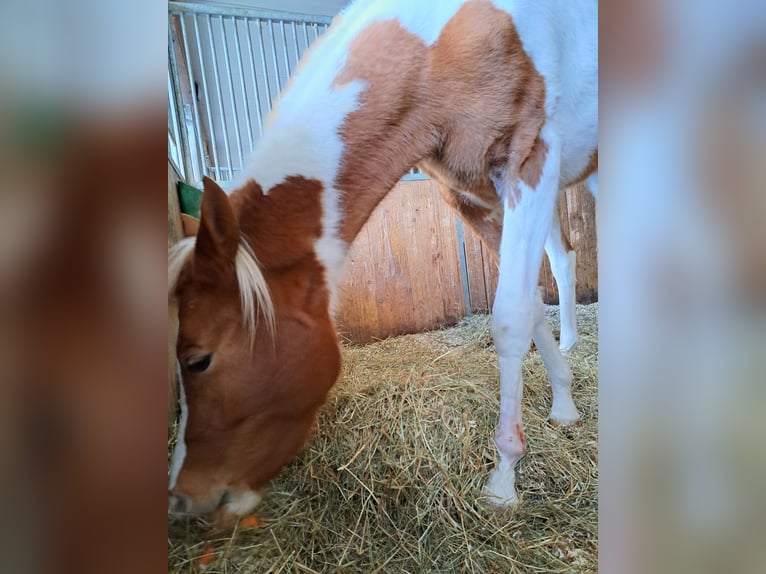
(306, 35)
(463, 266)
(171, 107)
(284, 49)
(255, 82)
(230, 77)
(245, 99)
(175, 134)
(175, 105)
(180, 159)
(263, 61)
(217, 76)
(274, 56)
(203, 154)
(195, 103)
(207, 101)
(219, 10)
(295, 41)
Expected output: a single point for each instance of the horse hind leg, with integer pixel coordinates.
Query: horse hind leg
(563, 410)
(563, 264)
(563, 260)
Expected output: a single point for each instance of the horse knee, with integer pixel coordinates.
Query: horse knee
(511, 443)
(512, 327)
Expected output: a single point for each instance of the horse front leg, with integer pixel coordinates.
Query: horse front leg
(526, 225)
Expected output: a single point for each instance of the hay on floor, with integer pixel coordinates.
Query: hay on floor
(391, 480)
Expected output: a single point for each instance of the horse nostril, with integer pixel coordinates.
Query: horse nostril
(177, 504)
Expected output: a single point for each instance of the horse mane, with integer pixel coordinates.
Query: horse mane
(253, 290)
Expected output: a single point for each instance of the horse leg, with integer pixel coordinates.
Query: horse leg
(563, 410)
(526, 224)
(483, 222)
(563, 263)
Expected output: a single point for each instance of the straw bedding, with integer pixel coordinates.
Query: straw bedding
(391, 480)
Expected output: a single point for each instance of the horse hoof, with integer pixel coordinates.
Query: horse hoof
(564, 421)
(564, 413)
(500, 490)
(566, 349)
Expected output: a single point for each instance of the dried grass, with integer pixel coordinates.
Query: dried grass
(391, 481)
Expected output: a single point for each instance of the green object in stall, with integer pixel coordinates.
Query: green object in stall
(190, 199)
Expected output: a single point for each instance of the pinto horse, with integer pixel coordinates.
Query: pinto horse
(496, 100)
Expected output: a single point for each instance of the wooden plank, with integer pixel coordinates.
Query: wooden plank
(393, 230)
(581, 219)
(445, 256)
(548, 283)
(474, 257)
(403, 273)
(359, 280)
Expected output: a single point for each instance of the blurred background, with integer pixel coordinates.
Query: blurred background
(82, 281)
(682, 256)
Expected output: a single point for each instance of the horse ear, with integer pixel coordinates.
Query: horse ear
(218, 235)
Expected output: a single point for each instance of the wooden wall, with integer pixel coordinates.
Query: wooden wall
(404, 272)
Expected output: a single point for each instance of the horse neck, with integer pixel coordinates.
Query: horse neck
(306, 215)
(343, 138)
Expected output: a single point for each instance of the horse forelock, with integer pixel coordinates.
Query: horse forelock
(253, 289)
(177, 257)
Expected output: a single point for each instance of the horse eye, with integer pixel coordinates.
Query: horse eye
(199, 363)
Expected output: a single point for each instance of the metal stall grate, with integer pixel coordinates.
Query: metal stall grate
(227, 67)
